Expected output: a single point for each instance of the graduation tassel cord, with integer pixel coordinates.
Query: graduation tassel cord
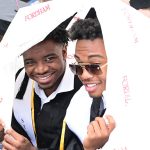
(62, 139)
(32, 108)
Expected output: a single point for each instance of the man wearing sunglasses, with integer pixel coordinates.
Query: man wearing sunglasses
(91, 68)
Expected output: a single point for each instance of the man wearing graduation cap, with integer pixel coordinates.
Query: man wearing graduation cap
(42, 96)
(141, 5)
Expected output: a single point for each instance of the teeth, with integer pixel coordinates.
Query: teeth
(44, 78)
(91, 85)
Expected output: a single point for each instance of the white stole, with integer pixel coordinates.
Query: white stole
(78, 113)
(23, 106)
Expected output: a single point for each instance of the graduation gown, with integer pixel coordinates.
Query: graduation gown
(45, 127)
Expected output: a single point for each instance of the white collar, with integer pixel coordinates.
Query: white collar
(63, 87)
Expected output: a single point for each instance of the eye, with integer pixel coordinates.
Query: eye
(29, 62)
(50, 59)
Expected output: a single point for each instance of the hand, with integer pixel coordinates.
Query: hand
(98, 132)
(15, 141)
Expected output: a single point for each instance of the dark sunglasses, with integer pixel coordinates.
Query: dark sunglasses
(94, 69)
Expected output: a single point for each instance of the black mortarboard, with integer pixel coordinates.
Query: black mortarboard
(24, 83)
(65, 23)
(91, 14)
(140, 4)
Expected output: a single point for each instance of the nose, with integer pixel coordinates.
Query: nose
(85, 75)
(41, 68)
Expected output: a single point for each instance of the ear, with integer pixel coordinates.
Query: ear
(64, 51)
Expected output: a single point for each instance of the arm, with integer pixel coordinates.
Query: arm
(98, 133)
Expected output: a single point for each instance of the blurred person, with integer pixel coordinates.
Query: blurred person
(4, 24)
(142, 6)
(8, 8)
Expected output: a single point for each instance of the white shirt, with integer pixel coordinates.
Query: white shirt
(63, 87)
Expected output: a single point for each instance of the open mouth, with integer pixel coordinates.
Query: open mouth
(44, 79)
(90, 87)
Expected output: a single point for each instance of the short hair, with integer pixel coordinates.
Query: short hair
(140, 4)
(88, 28)
(58, 35)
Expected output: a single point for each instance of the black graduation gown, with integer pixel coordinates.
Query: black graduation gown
(49, 120)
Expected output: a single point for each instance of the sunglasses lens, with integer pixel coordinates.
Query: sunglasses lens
(79, 70)
(93, 69)
(76, 69)
(73, 68)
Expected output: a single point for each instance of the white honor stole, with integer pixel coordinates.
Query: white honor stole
(22, 108)
(78, 113)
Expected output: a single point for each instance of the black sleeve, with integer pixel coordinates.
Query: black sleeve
(18, 128)
(72, 142)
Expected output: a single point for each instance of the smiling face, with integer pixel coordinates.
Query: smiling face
(92, 52)
(45, 64)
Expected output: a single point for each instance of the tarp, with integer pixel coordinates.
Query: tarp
(126, 37)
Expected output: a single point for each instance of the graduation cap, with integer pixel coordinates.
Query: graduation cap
(91, 13)
(140, 4)
(65, 23)
(24, 83)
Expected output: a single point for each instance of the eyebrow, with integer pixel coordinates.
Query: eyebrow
(91, 56)
(50, 55)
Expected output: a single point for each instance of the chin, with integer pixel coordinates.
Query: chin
(42, 86)
(94, 95)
